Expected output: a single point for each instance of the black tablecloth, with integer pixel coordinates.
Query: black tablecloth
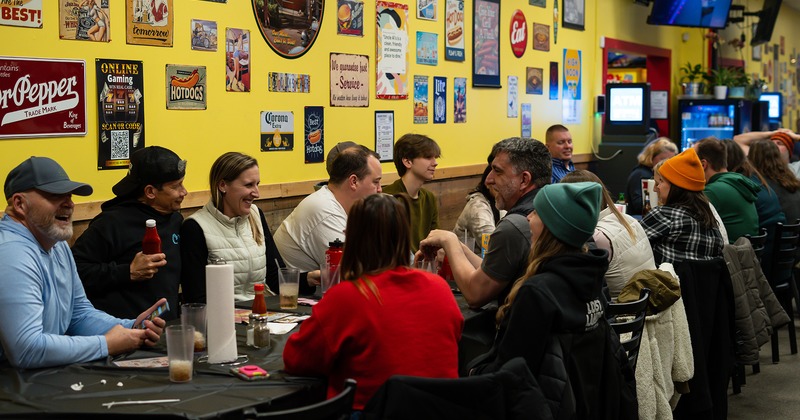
(213, 391)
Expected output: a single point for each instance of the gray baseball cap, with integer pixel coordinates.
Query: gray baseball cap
(45, 174)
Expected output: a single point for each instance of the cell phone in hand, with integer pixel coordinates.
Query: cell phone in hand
(156, 313)
(250, 373)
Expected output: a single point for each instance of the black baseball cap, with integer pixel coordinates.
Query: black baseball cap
(45, 174)
(152, 165)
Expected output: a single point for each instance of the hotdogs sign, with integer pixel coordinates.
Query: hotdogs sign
(40, 98)
(186, 87)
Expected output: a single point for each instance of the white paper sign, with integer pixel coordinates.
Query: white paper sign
(394, 45)
(658, 104)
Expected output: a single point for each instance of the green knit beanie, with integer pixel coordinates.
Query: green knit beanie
(569, 211)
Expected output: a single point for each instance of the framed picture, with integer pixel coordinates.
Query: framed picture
(574, 15)
(291, 29)
(486, 43)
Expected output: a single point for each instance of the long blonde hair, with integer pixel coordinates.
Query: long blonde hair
(654, 149)
(582, 175)
(227, 168)
(546, 246)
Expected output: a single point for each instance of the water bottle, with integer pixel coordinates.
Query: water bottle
(333, 255)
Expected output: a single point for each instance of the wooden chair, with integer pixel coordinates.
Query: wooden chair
(781, 278)
(336, 408)
(629, 318)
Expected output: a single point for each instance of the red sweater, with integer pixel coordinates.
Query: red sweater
(414, 331)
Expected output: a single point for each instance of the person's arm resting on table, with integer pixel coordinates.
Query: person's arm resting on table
(477, 287)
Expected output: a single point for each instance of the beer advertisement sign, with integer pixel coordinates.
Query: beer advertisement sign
(42, 97)
(186, 87)
(27, 13)
(120, 113)
(150, 22)
(277, 130)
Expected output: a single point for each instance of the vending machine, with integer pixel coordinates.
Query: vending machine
(723, 119)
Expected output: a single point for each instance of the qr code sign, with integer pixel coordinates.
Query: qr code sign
(120, 144)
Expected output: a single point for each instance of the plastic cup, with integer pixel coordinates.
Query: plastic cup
(289, 287)
(194, 314)
(328, 278)
(180, 352)
(469, 241)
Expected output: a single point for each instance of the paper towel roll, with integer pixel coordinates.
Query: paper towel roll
(220, 314)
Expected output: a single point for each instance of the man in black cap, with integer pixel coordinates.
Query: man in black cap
(117, 276)
(45, 318)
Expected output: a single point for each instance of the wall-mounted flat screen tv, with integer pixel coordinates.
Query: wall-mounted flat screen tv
(692, 13)
(766, 22)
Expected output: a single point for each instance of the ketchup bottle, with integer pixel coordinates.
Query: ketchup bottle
(334, 255)
(259, 302)
(151, 244)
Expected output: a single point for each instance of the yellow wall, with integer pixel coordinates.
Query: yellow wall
(231, 120)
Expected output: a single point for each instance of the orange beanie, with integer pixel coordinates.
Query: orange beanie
(684, 170)
(785, 139)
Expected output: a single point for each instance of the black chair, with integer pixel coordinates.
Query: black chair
(339, 407)
(781, 278)
(629, 317)
(759, 244)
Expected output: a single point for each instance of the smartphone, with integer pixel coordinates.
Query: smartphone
(157, 312)
(250, 373)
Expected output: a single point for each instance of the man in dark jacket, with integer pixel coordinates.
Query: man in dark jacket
(732, 194)
(119, 279)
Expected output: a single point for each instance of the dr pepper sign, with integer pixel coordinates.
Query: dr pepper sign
(519, 33)
(40, 98)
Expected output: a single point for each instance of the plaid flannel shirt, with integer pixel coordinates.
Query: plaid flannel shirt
(676, 236)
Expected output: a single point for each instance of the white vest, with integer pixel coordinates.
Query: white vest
(628, 257)
(231, 239)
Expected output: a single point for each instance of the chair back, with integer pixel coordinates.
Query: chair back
(758, 242)
(339, 407)
(783, 255)
(629, 317)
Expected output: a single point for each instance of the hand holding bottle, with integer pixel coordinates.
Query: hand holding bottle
(145, 266)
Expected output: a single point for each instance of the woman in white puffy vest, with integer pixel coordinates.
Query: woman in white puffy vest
(233, 228)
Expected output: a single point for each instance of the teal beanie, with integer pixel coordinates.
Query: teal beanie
(569, 211)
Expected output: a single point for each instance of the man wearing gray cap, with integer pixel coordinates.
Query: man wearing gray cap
(45, 318)
(117, 276)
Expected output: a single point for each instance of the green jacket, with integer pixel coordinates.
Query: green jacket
(734, 196)
(424, 212)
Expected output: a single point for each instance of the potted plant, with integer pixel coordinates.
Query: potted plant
(754, 88)
(691, 79)
(721, 78)
(739, 83)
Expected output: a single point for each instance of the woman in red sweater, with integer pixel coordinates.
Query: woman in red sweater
(386, 319)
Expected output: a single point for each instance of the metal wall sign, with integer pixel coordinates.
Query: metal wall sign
(42, 97)
(120, 91)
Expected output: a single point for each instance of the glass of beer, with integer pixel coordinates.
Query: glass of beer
(289, 287)
(180, 352)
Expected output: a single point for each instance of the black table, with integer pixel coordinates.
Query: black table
(213, 391)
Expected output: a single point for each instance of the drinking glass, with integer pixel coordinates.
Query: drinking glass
(289, 287)
(194, 314)
(180, 352)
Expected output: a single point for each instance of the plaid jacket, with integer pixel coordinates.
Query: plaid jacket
(676, 236)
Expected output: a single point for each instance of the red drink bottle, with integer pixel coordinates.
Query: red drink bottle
(151, 244)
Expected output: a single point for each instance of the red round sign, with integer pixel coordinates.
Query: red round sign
(519, 33)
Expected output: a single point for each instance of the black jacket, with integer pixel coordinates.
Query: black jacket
(104, 252)
(560, 309)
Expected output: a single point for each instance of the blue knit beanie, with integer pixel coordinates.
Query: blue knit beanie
(569, 211)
